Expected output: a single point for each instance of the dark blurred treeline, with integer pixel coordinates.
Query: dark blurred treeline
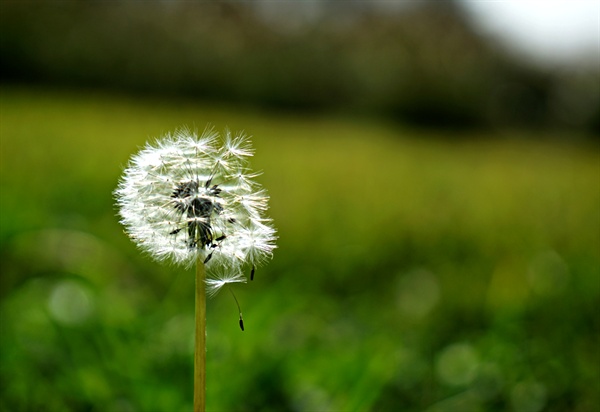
(423, 65)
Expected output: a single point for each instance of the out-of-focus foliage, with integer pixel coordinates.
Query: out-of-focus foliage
(424, 65)
(412, 273)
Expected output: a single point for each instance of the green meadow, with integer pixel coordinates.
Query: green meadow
(415, 270)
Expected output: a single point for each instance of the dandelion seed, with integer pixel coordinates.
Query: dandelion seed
(188, 198)
(216, 282)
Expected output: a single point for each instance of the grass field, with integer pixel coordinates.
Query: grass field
(414, 271)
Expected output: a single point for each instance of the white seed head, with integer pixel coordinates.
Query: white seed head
(188, 197)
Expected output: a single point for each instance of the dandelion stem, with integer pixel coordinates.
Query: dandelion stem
(200, 347)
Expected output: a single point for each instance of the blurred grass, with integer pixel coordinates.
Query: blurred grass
(413, 271)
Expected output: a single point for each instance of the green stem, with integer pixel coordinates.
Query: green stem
(200, 348)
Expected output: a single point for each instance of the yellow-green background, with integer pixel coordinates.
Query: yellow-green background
(413, 271)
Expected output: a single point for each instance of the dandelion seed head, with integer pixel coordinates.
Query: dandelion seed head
(186, 197)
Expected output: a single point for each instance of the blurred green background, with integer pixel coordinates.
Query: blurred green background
(437, 201)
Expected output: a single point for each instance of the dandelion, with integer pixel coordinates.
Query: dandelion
(186, 198)
(193, 199)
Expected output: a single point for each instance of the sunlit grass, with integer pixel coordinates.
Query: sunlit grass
(404, 258)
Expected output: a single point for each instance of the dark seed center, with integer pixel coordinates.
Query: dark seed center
(200, 232)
